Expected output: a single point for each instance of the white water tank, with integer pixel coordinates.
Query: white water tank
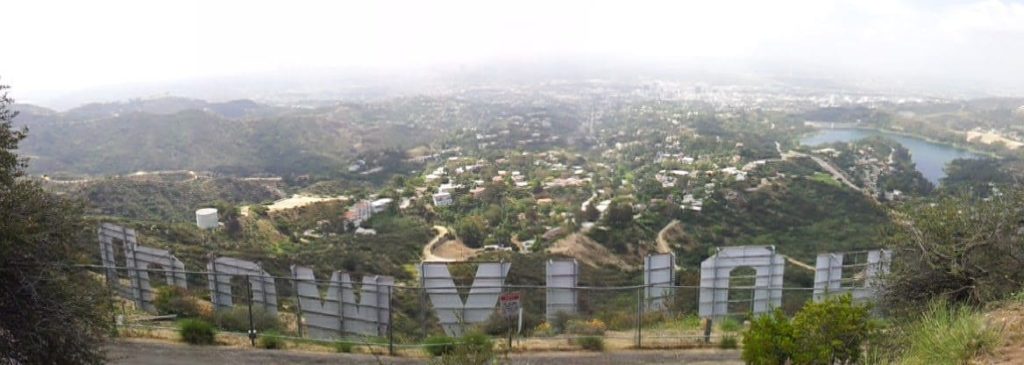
(206, 218)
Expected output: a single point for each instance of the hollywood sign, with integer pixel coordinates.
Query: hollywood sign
(337, 312)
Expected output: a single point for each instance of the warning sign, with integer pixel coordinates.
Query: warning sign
(510, 304)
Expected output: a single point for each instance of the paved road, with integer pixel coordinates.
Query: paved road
(134, 351)
(838, 175)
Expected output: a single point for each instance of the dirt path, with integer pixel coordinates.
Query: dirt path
(663, 246)
(428, 250)
(130, 352)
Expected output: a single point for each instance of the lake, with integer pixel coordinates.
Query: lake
(929, 157)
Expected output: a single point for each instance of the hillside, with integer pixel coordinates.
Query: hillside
(239, 137)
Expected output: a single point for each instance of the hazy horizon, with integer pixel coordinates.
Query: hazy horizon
(66, 47)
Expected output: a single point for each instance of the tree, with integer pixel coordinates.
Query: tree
(590, 213)
(472, 230)
(50, 312)
(769, 339)
(960, 248)
(619, 214)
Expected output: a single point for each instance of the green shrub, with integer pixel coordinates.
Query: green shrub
(831, 331)
(560, 320)
(438, 345)
(196, 332)
(178, 301)
(590, 343)
(270, 341)
(237, 319)
(947, 334)
(477, 342)
(474, 348)
(344, 346)
(729, 324)
(768, 340)
(727, 342)
(593, 327)
(544, 329)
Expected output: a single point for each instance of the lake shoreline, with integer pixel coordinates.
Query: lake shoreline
(966, 148)
(930, 157)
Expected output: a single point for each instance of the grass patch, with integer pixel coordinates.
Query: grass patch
(591, 343)
(729, 324)
(728, 342)
(271, 341)
(344, 346)
(438, 345)
(825, 179)
(947, 334)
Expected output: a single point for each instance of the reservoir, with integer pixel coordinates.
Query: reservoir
(929, 157)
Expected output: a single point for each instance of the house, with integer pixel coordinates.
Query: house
(380, 205)
(359, 212)
(448, 188)
(442, 199)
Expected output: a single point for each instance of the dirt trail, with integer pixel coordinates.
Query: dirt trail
(428, 250)
(663, 246)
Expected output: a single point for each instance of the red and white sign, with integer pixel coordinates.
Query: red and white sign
(510, 304)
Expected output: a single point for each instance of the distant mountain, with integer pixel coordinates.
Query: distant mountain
(238, 136)
(171, 105)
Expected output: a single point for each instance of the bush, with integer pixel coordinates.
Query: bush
(544, 329)
(590, 343)
(959, 248)
(178, 301)
(827, 332)
(237, 319)
(344, 346)
(560, 320)
(728, 342)
(593, 327)
(196, 332)
(768, 340)
(477, 342)
(729, 324)
(947, 334)
(270, 341)
(438, 345)
(831, 331)
(473, 349)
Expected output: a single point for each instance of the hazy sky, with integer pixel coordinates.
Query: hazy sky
(61, 45)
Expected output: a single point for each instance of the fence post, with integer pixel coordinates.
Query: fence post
(707, 329)
(391, 332)
(252, 326)
(298, 306)
(423, 303)
(639, 316)
(141, 299)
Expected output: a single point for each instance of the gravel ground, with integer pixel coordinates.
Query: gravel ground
(124, 352)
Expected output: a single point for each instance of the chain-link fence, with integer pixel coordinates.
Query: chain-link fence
(376, 312)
